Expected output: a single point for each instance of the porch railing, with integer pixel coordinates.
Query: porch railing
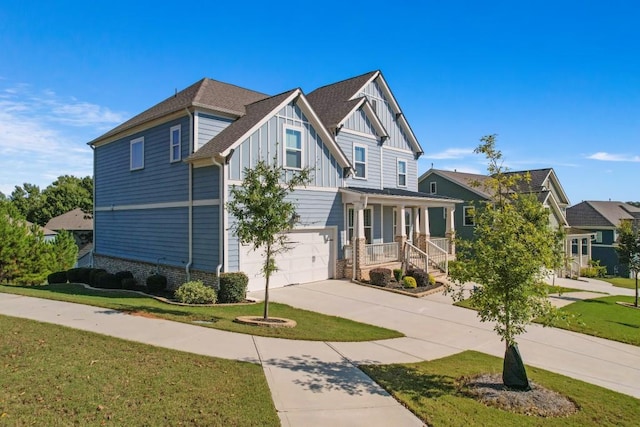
(414, 257)
(442, 243)
(438, 252)
(379, 253)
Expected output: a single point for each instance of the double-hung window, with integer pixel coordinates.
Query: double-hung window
(174, 143)
(433, 188)
(402, 173)
(360, 161)
(136, 154)
(293, 148)
(368, 224)
(468, 214)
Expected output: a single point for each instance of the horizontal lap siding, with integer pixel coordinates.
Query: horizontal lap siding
(346, 142)
(206, 183)
(159, 182)
(209, 126)
(206, 233)
(144, 235)
(390, 169)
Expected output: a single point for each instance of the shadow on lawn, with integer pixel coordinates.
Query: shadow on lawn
(319, 376)
(402, 379)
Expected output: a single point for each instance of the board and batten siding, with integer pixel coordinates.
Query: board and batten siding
(359, 122)
(208, 127)
(390, 159)
(206, 238)
(397, 136)
(317, 209)
(148, 235)
(160, 181)
(267, 143)
(347, 141)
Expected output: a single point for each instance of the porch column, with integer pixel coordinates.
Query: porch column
(580, 253)
(589, 248)
(424, 228)
(400, 231)
(451, 229)
(359, 241)
(416, 226)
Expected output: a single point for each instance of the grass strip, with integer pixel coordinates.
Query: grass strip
(53, 375)
(311, 326)
(430, 390)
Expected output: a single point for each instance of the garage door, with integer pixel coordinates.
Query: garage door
(309, 260)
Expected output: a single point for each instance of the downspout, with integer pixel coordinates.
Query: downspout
(191, 149)
(93, 247)
(222, 239)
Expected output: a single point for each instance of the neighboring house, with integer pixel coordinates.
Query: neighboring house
(602, 218)
(544, 183)
(80, 225)
(162, 180)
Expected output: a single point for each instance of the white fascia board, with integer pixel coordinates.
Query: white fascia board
(261, 122)
(557, 208)
(138, 128)
(561, 192)
(412, 138)
(454, 181)
(408, 200)
(368, 110)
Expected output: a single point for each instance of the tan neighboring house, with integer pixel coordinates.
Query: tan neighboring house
(81, 225)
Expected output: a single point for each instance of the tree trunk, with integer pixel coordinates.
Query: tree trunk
(636, 289)
(514, 375)
(267, 275)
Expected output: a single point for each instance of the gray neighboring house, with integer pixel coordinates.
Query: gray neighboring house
(602, 218)
(80, 225)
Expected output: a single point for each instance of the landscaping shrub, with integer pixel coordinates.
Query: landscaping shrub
(156, 283)
(124, 275)
(233, 288)
(85, 275)
(107, 281)
(397, 273)
(195, 292)
(73, 275)
(409, 282)
(380, 276)
(57, 277)
(93, 275)
(131, 284)
(421, 277)
(432, 280)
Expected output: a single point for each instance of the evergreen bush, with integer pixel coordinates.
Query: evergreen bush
(409, 282)
(73, 275)
(380, 276)
(107, 281)
(93, 276)
(84, 274)
(233, 288)
(156, 283)
(397, 274)
(57, 277)
(195, 292)
(421, 277)
(131, 284)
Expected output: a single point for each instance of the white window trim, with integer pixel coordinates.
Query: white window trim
(131, 144)
(348, 227)
(464, 217)
(286, 127)
(172, 145)
(433, 187)
(406, 166)
(366, 168)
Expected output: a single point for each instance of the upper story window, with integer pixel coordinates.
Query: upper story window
(293, 148)
(402, 173)
(468, 214)
(174, 143)
(136, 154)
(360, 161)
(598, 236)
(433, 187)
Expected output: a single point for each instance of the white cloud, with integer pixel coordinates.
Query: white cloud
(609, 157)
(43, 135)
(451, 153)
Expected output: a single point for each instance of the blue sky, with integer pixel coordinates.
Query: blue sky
(557, 81)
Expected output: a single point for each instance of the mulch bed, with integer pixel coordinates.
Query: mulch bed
(396, 287)
(539, 401)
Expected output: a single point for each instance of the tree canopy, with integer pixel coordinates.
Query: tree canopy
(628, 249)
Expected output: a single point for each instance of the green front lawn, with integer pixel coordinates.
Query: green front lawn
(311, 326)
(429, 390)
(620, 282)
(54, 376)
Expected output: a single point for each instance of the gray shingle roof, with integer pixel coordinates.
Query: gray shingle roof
(601, 213)
(333, 102)
(254, 113)
(398, 192)
(75, 219)
(206, 93)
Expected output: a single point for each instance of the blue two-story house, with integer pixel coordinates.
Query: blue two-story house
(163, 177)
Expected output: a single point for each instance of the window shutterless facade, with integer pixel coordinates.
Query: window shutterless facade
(360, 161)
(368, 224)
(136, 154)
(402, 173)
(468, 214)
(175, 144)
(292, 147)
(433, 187)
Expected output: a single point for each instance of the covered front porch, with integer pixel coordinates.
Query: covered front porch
(577, 248)
(390, 228)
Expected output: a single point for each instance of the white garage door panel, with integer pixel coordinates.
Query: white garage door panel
(309, 260)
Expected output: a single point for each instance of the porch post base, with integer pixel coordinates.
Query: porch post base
(400, 240)
(452, 244)
(422, 242)
(358, 256)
